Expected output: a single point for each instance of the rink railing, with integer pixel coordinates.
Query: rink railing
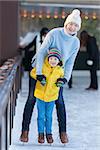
(8, 95)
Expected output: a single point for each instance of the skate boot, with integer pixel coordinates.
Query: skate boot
(41, 138)
(49, 138)
(63, 137)
(24, 136)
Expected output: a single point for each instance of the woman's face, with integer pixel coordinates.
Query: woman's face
(71, 28)
(53, 61)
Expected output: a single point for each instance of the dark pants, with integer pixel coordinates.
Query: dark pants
(93, 78)
(70, 82)
(61, 112)
(27, 114)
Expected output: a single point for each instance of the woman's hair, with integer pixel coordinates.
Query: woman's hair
(84, 38)
(60, 63)
(43, 31)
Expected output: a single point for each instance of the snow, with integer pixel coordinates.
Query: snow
(83, 118)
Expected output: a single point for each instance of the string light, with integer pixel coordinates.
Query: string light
(86, 15)
(33, 14)
(48, 14)
(55, 14)
(40, 14)
(94, 15)
(63, 16)
(25, 14)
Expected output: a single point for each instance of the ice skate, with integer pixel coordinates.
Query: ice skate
(49, 138)
(64, 138)
(41, 138)
(24, 136)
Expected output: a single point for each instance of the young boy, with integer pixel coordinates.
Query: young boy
(46, 92)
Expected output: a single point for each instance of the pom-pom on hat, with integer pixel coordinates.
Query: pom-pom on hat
(56, 53)
(74, 17)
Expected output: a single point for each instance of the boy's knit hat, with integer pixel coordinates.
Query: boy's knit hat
(74, 17)
(56, 53)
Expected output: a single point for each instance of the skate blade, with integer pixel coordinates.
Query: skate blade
(24, 143)
(50, 144)
(40, 143)
(64, 144)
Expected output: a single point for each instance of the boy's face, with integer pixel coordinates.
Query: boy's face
(53, 61)
(71, 28)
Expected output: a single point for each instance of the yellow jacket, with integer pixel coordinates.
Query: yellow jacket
(49, 92)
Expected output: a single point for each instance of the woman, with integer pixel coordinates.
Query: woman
(93, 58)
(64, 39)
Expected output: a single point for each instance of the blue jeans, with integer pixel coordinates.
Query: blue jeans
(45, 110)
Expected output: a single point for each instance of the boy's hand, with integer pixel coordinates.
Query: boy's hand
(60, 82)
(42, 79)
(43, 82)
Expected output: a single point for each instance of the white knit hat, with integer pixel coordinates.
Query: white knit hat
(74, 17)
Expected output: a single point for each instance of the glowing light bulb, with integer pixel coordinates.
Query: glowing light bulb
(94, 15)
(33, 14)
